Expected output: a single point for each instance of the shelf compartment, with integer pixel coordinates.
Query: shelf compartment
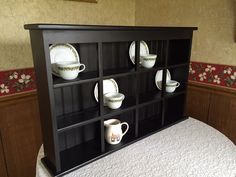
(116, 55)
(127, 86)
(128, 117)
(150, 126)
(158, 48)
(74, 105)
(75, 119)
(174, 109)
(150, 119)
(179, 74)
(80, 145)
(126, 140)
(82, 78)
(147, 89)
(88, 55)
(74, 98)
(149, 97)
(179, 51)
(79, 155)
(127, 104)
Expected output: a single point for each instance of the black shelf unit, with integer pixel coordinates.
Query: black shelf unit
(73, 121)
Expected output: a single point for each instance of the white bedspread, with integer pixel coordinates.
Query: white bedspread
(187, 149)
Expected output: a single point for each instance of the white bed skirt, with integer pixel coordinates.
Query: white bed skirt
(188, 149)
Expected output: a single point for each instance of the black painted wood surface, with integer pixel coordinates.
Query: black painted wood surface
(72, 121)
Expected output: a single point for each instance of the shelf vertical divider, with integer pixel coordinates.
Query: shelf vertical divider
(100, 93)
(166, 52)
(137, 59)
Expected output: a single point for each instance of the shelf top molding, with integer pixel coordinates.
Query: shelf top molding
(45, 26)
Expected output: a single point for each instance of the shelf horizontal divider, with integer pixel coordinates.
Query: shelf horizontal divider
(76, 119)
(82, 78)
(118, 72)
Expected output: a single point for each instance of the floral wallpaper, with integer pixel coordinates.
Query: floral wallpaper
(23, 80)
(17, 81)
(215, 74)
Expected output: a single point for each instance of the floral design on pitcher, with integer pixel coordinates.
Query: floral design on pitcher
(115, 137)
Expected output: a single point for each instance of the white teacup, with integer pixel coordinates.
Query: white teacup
(114, 100)
(148, 61)
(171, 85)
(69, 70)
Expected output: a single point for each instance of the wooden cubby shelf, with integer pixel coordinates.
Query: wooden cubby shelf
(72, 120)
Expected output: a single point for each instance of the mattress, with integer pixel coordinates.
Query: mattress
(187, 149)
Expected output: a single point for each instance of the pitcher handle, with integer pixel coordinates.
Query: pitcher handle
(127, 127)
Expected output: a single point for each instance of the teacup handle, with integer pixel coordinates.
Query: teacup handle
(82, 68)
(178, 84)
(127, 127)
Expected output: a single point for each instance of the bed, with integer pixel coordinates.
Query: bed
(187, 149)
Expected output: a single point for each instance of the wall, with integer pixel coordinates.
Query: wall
(214, 42)
(14, 40)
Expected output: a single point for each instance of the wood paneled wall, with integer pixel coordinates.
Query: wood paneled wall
(3, 167)
(20, 135)
(213, 105)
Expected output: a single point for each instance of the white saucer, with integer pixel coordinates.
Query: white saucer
(109, 86)
(158, 77)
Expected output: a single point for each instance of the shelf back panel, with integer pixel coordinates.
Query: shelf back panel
(80, 135)
(74, 98)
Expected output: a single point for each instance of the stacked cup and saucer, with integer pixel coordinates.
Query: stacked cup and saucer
(147, 60)
(65, 61)
(112, 98)
(171, 85)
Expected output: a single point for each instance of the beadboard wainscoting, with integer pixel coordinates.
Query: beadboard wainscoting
(213, 105)
(20, 134)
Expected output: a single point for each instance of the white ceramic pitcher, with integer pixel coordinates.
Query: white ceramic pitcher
(113, 133)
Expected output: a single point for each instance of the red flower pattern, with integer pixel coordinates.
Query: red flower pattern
(17, 81)
(215, 74)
